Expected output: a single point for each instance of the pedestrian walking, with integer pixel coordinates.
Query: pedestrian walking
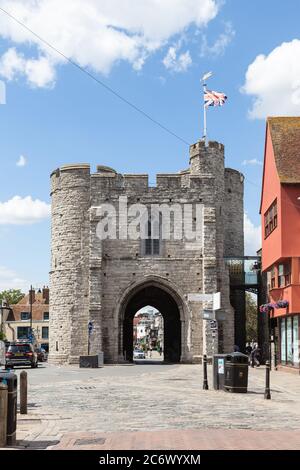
(248, 352)
(255, 357)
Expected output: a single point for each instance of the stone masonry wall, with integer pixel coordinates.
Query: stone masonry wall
(90, 277)
(69, 276)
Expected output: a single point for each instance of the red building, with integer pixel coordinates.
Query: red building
(280, 216)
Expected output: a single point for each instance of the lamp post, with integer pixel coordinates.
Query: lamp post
(30, 302)
(90, 330)
(205, 382)
(32, 289)
(267, 394)
(273, 340)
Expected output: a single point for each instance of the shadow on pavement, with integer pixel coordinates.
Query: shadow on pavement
(151, 362)
(262, 392)
(35, 445)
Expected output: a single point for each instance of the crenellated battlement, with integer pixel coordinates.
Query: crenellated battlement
(201, 147)
(136, 182)
(206, 161)
(168, 181)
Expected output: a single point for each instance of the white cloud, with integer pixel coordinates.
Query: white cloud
(22, 161)
(252, 237)
(22, 211)
(96, 34)
(38, 72)
(11, 63)
(254, 161)
(274, 82)
(177, 63)
(218, 48)
(10, 280)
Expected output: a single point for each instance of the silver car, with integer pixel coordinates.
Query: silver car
(138, 354)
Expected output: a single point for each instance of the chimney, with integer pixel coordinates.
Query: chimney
(46, 295)
(31, 296)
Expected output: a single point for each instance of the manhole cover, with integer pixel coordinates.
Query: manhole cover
(84, 442)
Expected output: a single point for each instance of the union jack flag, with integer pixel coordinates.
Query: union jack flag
(214, 98)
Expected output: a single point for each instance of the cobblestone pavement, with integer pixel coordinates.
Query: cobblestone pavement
(158, 398)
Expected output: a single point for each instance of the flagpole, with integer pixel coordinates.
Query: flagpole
(204, 116)
(203, 80)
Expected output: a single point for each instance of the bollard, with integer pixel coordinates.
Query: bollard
(10, 379)
(23, 393)
(205, 383)
(3, 414)
(267, 389)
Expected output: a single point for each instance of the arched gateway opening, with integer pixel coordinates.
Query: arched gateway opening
(148, 335)
(165, 303)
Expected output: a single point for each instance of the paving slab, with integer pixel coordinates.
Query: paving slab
(174, 439)
(153, 398)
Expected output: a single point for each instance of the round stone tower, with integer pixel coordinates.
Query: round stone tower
(207, 159)
(207, 163)
(223, 217)
(70, 191)
(234, 247)
(234, 211)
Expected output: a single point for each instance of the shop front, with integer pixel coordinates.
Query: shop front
(289, 340)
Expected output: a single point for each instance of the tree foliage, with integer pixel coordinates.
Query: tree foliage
(251, 318)
(11, 296)
(2, 336)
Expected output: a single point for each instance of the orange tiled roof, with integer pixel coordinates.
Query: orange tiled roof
(38, 299)
(285, 135)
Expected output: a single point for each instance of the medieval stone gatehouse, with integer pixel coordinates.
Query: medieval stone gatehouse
(106, 281)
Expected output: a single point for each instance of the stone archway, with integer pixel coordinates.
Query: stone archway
(168, 302)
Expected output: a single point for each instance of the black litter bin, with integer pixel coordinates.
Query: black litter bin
(11, 380)
(236, 372)
(219, 371)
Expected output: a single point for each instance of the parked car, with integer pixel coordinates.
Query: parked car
(41, 354)
(138, 354)
(20, 354)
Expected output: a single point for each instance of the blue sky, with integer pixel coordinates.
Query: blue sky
(153, 54)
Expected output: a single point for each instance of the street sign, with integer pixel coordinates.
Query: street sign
(220, 315)
(217, 301)
(221, 366)
(215, 298)
(213, 325)
(208, 314)
(90, 327)
(200, 297)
